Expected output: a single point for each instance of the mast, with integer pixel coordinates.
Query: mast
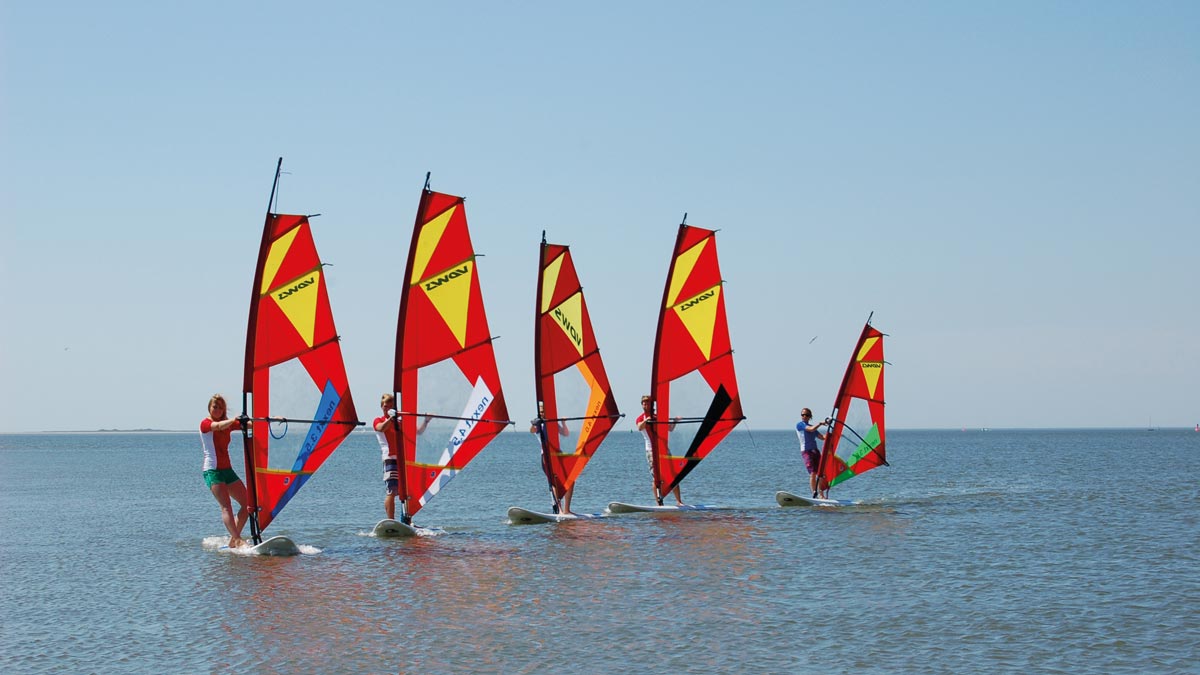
(399, 420)
(248, 371)
(547, 464)
(658, 417)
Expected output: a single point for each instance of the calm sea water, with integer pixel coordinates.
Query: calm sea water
(988, 552)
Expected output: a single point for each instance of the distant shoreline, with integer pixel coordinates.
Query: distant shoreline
(107, 431)
(736, 431)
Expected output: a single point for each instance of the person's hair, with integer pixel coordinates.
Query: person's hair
(214, 399)
(646, 398)
(806, 410)
(387, 397)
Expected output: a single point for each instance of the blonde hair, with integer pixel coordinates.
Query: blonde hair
(388, 397)
(214, 399)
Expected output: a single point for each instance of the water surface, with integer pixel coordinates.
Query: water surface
(1002, 551)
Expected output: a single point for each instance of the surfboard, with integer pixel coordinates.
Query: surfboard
(387, 528)
(621, 507)
(276, 546)
(520, 516)
(788, 499)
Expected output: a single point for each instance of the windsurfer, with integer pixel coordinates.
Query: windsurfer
(643, 425)
(565, 498)
(220, 477)
(385, 433)
(808, 434)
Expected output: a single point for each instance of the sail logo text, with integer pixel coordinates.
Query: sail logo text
(318, 429)
(324, 416)
(568, 327)
(871, 364)
(465, 427)
(697, 300)
(296, 289)
(449, 276)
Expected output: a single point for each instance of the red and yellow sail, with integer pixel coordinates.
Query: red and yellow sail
(576, 407)
(693, 376)
(295, 379)
(446, 371)
(856, 440)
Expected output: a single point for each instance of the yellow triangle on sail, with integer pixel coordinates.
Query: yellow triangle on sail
(298, 302)
(450, 293)
(683, 269)
(550, 281)
(871, 370)
(568, 316)
(427, 242)
(699, 316)
(275, 256)
(866, 348)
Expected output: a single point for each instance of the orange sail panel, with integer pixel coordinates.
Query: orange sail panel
(446, 378)
(856, 440)
(693, 374)
(294, 369)
(576, 407)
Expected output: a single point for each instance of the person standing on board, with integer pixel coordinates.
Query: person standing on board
(809, 433)
(534, 427)
(643, 425)
(219, 476)
(385, 433)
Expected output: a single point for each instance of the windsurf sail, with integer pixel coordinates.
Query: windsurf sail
(445, 371)
(294, 385)
(576, 407)
(855, 443)
(693, 383)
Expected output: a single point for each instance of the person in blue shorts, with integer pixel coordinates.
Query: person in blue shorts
(809, 433)
(385, 432)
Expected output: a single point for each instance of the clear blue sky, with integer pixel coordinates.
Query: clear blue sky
(1012, 187)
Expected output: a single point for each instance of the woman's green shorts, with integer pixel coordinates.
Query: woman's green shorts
(214, 476)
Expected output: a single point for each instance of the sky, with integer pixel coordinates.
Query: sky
(1012, 188)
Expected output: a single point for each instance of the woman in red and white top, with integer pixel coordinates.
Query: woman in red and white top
(643, 423)
(218, 474)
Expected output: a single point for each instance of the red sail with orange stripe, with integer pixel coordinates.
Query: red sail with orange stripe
(295, 380)
(446, 379)
(694, 385)
(576, 407)
(856, 440)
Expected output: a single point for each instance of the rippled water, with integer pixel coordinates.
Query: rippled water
(1000, 551)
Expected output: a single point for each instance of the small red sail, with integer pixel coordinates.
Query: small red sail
(446, 372)
(693, 376)
(576, 407)
(294, 370)
(856, 440)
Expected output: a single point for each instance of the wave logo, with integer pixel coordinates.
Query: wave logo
(697, 300)
(449, 276)
(296, 288)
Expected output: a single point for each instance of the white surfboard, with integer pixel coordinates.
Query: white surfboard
(276, 546)
(621, 507)
(520, 516)
(281, 546)
(789, 499)
(391, 529)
